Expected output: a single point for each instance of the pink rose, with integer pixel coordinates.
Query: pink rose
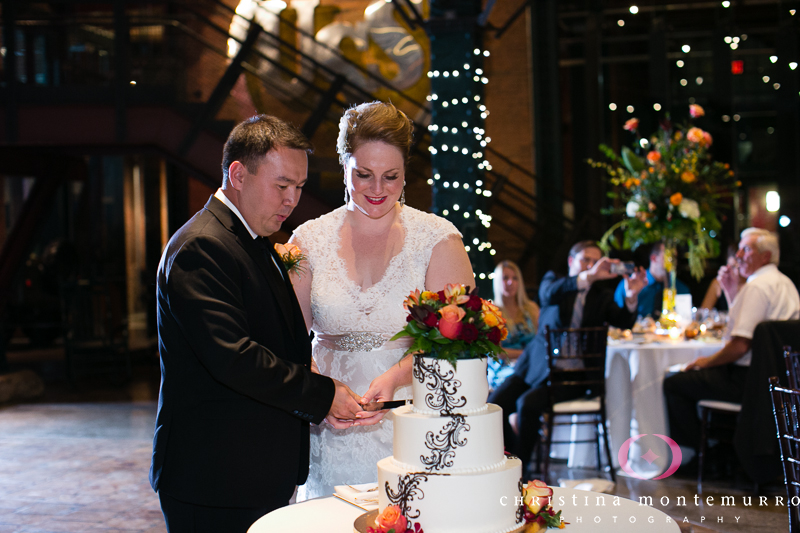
(391, 518)
(631, 124)
(450, 321)
(696, 111)
(536, 495)
(707, 140)
(695, 135)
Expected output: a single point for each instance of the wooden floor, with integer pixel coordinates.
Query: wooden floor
(77, 459)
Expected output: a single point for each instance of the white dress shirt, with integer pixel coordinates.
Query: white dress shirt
(767, 295)
(219, 195)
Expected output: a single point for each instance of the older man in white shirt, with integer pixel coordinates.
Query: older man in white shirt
(767, 295)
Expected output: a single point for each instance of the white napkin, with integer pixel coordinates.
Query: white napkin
(364, 495)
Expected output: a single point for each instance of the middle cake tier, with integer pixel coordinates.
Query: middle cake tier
(448, 443)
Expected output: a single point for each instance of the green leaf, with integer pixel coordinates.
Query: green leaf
(400, 334)
(631, 161)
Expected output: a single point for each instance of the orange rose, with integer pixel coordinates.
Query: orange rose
(676, 199)
(688, 177)
(491, 315)
(695, 135)
(707, 139)
(631, 124)
(654, 157)
(696, 111)
(391, 518)
(450, 322)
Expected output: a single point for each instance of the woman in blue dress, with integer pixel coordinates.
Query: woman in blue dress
(521, 314)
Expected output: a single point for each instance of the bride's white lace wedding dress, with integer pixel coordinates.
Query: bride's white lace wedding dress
(347, 323)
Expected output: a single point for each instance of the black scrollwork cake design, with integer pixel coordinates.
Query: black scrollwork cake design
(442, 384)
(408, 490)
(521, 508)
(443, 446)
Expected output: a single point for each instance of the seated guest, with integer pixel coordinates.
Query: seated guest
(651, 298)
(767, 295)
(521, 314)
(579, 300)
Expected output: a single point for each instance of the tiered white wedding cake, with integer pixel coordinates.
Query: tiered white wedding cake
(449, 472)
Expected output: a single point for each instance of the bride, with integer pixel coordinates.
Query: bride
(363, 259)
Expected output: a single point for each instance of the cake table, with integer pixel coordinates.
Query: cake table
(334, 515)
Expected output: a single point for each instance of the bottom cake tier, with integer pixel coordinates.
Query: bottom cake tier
(485, 502)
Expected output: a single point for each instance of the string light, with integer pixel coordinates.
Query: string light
(456, 130)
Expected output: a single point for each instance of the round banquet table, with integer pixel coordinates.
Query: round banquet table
(635, 398)
(582, 509)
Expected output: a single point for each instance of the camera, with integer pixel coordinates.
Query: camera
(624, 267)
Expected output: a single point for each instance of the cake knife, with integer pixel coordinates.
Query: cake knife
(391, 404)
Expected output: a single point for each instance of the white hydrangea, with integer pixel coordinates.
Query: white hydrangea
(631, 209)
(689, 209)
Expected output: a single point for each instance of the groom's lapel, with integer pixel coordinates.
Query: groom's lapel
(260, 251)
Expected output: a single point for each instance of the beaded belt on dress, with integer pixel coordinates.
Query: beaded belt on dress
(361, 341)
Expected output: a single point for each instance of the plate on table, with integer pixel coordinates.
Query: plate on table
(364, 521)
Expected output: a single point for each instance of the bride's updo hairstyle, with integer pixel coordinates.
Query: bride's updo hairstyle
(374, 121)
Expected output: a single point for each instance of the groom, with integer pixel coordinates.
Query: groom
(237, 391)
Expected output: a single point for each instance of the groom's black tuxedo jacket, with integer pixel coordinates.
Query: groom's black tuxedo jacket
(237, 393)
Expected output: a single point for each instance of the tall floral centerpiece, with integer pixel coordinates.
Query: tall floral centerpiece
(671, 190)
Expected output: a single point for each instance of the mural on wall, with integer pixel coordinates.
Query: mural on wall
(379, 44)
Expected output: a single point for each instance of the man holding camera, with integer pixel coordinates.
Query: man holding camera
(651, 297)
(584, 298)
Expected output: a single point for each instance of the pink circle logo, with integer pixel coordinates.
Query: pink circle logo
(677, 456)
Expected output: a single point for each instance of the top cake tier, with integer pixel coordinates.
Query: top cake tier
(438, 388)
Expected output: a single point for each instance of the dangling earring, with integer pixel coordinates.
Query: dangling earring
(403, 195)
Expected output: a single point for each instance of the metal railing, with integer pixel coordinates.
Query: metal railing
(175, 51)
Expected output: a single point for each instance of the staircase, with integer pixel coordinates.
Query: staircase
(169, 88)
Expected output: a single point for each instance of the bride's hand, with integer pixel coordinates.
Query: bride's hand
(339, 423)
(380, 390)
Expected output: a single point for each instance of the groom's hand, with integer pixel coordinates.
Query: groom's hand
(346, 405)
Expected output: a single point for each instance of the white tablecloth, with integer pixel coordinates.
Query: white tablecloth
(635, 400)
(581, 509)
